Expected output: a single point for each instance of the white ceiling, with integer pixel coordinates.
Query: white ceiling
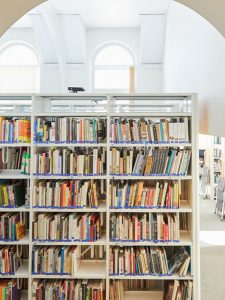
(111, 13)
(103, 13)
(24, 22)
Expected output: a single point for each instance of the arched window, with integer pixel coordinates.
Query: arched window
(111, 68)
(19, 69)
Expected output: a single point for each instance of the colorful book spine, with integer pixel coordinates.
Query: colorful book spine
(15, 130)
(163, 131)
(69, 130)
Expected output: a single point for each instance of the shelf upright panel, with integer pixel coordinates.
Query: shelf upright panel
(155, 106)
(71, 105)
(195, 200)
(18, 105)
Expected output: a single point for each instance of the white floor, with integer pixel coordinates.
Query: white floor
(212, 238)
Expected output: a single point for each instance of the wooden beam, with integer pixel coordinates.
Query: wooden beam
(212, 10)
(12, 10)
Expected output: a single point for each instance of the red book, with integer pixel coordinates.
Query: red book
(6, 254)
(92, 233)
(138, 230)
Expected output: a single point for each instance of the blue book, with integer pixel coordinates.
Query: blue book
(62, 253)
(127, 196)
(170, 162)
(162, 132)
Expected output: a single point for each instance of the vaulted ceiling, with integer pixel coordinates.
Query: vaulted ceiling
(102, 13)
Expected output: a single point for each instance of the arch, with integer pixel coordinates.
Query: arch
(114, 43)
(5, 47)
(19, 68)
(111, 64)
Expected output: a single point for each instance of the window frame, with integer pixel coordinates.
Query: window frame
(110, 67)
(35, 66)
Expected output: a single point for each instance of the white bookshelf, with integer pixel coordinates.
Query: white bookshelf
(109, 106)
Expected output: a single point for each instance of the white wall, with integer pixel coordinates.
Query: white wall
(195, 62)
(25, 35)
(149, 77)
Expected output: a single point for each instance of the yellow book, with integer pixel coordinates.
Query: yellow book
(5, 195)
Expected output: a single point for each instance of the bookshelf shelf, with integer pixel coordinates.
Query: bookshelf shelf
(128, 145)
(22, 208)
(70, 144)
(101, 208)
(24, 241)
(128, 177)
(143, 295)
(15, 114)
(87, 269)
(23, 295)
(185, 240)
(184, 207)
(101, 241)
(152, 114)
(14, 144)
(77, 114)
(158, 109)
(22, 272)
(13, 174)
(149, 277)
(51, 177)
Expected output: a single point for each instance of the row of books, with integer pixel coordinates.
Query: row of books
(15, 159)
(70, 129)
(144, 227)
(65, 161)
(173, 290)
(56, 260)
(9, 260)
(174, 130)
(12, 194)
(140, 284)
(165, 194)
(178, 290)
(14, 130)
(217, 152)
(163, 161)
(68, 227)
(68, 289)
(11, 227)
(68, 193)
(9, 289)
(149, 261)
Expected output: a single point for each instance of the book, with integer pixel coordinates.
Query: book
(81, 161)
(147, 260)
(68, 193)
(178, 290)
(68, 289)
(144, 227)
(154, 161)
(9, 289)
(15, 130)
(67, 227)
(143, 130)
(9, 260)
(11, 227)
(55, 260)
(12, 193)
(161, 194)
(70, 130)
(15, 159)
